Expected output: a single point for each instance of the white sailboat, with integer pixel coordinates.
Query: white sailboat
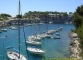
(36, 36)
(16, 55)
(35, 50)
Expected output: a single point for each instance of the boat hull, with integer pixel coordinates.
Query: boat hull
(33, 43)
(15, 56)
(35, 51)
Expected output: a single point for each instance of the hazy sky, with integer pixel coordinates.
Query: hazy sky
(11, 6)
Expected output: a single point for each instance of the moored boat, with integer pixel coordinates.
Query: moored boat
(57, 37)
(4, 30)
(33, 42)
(35, 50)
(15, 56)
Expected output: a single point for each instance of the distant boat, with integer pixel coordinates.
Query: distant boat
(58, 34)
(57, 37)
(70, 22)
(50, 22)
(41, 23)
(28, 25)
(13, 28)
(35, 50)
(4, 30)
(66, 23)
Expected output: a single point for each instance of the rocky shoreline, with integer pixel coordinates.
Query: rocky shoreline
(74, 45)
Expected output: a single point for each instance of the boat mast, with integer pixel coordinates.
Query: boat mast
(36, 26)
(47, 23)
(19, 28)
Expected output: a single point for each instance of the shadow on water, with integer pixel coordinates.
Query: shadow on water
(35, 56)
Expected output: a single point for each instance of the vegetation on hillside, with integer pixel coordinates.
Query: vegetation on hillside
(33, 14)
(78, 17)
(78, 23)
(4, 17)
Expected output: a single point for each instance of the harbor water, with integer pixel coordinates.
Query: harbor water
(54, 48)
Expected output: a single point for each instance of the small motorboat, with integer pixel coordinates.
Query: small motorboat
(4, 30)
(57, 37)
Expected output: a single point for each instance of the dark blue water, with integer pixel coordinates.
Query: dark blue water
(55, 48)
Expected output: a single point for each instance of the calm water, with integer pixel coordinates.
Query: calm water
(55, 48)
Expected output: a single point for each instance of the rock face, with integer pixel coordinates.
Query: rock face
(74, 48)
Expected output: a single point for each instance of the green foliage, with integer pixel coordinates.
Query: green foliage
(78, 17)
(18, 16)
(79, 31)
(4, 17)
(43, 14)
(78, 23)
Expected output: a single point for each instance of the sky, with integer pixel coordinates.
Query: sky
(11, 6)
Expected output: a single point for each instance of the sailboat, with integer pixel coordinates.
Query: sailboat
(35, 37)
(15, 54)
(49, 32)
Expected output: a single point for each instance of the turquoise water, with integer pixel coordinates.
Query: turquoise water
(55, 48)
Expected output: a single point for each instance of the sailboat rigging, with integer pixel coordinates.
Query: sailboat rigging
(16, 55)
(19, 28)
